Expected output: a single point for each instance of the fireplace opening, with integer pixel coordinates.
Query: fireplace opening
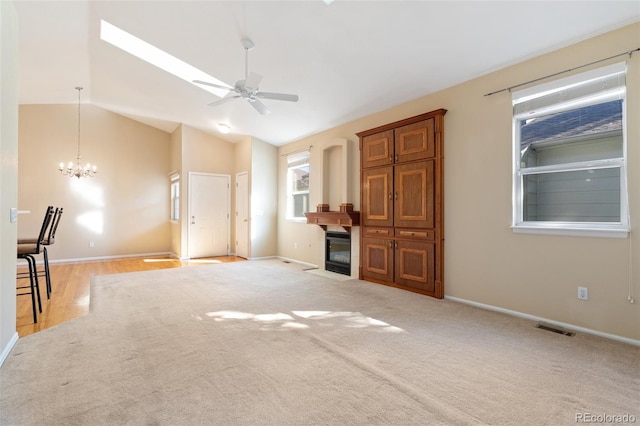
(338, 252)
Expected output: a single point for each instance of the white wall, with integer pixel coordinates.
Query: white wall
(8, 174)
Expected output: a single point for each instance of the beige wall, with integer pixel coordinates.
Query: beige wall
(485, 262)
(336, 152)
(264, 203)
(259, 160)
(176, 168)
(8, 174)
(124, 210)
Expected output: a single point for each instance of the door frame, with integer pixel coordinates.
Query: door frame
(188, 218)
(245, 201)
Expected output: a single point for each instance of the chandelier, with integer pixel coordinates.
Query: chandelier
(77, 169)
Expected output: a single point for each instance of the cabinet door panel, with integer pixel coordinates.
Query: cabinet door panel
(377, 204)
(377, 259)
(377, 150)
(414, 195)
(415, 265)
(415, 141)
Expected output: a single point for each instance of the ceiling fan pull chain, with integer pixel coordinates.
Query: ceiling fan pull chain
(246, 63)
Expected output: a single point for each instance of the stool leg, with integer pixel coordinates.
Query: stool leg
(33, 291)
(35, 277)
(46, 270)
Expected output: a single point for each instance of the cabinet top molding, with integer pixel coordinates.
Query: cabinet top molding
(436, 113)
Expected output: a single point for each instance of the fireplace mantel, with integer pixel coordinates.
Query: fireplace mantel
(346, 217)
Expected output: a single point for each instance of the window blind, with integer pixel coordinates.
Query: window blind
(588, 88)
(298, 159)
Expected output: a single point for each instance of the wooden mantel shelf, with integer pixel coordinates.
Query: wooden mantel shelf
(345, 218)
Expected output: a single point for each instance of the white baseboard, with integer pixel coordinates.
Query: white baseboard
(261, 258)
(93, 259)
(546, 320)
(7, 349)
(311, 265)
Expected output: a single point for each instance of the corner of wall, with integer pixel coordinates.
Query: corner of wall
(8, 173)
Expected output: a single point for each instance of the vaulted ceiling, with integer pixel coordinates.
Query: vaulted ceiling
(345, 59)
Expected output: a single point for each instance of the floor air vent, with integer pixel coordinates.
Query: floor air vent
(554, 328)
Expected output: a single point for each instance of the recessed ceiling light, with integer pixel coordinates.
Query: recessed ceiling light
(161, 59)
(224, 128)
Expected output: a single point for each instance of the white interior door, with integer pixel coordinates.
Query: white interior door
(242, 215)
(208, 215)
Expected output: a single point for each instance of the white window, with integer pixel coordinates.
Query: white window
(175, 197)
(570, 155)
(297, 185)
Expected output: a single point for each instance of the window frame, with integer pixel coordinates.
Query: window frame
(174, 198)
(619, 229)
(297, 161)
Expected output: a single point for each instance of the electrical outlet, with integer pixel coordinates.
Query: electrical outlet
(583, 293)
(91, 244)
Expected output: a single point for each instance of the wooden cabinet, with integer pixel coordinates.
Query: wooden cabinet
(401, 204)
(377, 258)
(377, 197)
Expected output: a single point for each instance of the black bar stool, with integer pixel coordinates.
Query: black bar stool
(27, 251)
(50, 239)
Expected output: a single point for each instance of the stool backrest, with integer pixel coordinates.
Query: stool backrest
(48, 217)
(51, 236)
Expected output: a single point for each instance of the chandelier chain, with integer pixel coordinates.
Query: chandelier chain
(78, 89)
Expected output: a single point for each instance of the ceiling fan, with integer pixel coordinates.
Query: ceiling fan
(248, 88)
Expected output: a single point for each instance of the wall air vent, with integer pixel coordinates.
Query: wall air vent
(554, 328)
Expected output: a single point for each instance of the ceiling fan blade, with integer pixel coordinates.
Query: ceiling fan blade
(278, 96)
(213, 85)
(223, 100)
(252, 81)
(259, 106)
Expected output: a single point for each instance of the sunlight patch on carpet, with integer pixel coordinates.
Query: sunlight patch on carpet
(321, 318)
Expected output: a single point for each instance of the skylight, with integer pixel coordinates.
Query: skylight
(161, 59)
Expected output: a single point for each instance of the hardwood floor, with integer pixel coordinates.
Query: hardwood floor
(70, 284)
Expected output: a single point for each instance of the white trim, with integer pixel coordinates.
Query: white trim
(91, 259)
(572, 327)
(189, 200)
(297, 219)
(261, 257)
(600, 229)
(311, 265)
(7, 349)
(571, 232)
(607, 163)
(240, 202)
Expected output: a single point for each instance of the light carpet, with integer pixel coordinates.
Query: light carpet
(264, 343)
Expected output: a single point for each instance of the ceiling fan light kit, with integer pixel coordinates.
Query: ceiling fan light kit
(249, 87)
